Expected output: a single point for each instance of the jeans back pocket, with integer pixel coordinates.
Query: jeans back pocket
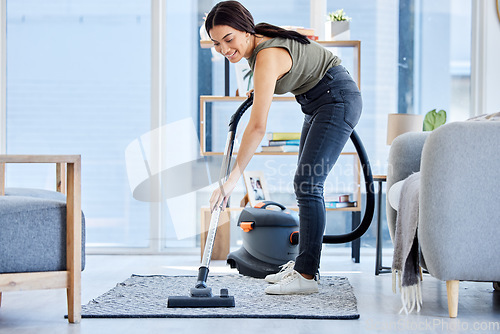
(353, 104)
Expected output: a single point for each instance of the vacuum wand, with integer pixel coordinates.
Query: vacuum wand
(201, 295)
(207, 253)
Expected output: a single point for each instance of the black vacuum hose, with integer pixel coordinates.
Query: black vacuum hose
(370, 198)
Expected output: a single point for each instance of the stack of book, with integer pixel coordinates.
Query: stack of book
(282, 142)
(339, 201)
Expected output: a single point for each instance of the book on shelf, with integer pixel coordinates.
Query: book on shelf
(283, 135)
(338, 198)
(284, 142)
(281, 148)
(338, 205)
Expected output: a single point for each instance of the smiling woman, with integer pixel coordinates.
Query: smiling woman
(285, 61)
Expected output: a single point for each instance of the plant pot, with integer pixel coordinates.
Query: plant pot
(337, 31)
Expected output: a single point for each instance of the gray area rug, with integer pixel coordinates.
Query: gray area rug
(146, 297)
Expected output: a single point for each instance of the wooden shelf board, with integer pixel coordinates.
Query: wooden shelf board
(214, 98)
(269, 153)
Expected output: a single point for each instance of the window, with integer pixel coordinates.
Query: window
(78, 82)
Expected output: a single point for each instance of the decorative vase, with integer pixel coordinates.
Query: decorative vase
(337, 31)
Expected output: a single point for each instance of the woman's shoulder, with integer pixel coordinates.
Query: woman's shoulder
(266, 43)
(274, 45)
(272, 48)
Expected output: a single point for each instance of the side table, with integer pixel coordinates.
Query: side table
(379, 268)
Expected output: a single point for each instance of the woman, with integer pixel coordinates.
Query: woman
(285, 61)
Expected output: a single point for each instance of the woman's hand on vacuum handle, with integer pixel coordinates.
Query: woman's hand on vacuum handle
(221, 194)
(250, 92)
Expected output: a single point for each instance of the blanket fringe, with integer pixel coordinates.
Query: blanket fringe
(396, 276)
(411, 296)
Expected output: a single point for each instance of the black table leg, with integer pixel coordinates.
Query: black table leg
(356, 244)
(379, 268)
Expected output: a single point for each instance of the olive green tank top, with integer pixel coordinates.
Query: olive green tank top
(309, 64)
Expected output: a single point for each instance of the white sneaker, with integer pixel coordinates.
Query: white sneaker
(285, 269)
(293, 284)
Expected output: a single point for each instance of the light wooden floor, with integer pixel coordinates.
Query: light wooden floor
(43, 311)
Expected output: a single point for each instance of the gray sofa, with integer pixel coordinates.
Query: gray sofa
(459, 211)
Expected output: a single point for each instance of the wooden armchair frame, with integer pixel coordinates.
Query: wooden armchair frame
(68, 178)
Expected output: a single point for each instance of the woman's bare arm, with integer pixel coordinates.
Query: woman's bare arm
(270, 65)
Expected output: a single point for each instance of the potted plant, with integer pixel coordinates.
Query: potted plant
(434, 119)
(337, 26)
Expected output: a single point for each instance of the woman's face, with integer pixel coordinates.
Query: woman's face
(231, 43)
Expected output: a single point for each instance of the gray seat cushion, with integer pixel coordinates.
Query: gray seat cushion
(33, 231)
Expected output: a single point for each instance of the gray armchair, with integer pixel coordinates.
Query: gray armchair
(41, 232)
(459, 214)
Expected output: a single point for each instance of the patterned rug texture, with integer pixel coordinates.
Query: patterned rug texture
(146, 297)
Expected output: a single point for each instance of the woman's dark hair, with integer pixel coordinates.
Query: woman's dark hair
(235, 15)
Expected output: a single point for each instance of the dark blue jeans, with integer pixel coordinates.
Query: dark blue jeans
(332, 109)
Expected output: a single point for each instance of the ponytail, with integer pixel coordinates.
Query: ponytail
(272, 31)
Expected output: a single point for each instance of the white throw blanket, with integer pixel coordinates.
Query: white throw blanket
(405, 265)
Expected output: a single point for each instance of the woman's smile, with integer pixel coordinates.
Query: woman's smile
(230, 55)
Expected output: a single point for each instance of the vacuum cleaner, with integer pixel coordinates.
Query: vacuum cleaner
(201, 295)
(270, 238)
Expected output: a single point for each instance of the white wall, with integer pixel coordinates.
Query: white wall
(485, 81)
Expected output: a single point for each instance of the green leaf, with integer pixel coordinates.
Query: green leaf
(434, 119)
(338, 15)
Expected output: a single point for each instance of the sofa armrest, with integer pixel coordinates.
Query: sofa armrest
(459, 192)
(404, 160)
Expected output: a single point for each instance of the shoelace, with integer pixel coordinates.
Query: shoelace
(291, 264)
(289, 277)
(287, 266)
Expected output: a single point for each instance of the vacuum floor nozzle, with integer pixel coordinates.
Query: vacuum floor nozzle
(194, 301)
